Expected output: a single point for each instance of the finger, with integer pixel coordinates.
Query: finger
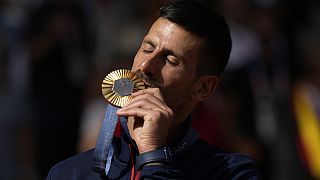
(144, 104)
(145, 114)
(147, 98)
(136, 112)
(153, 91)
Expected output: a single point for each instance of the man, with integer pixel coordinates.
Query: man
(180, 60)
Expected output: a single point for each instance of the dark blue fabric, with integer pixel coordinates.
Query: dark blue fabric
(201, 161)
(198, 161)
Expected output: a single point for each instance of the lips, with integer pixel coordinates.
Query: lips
(148, 82)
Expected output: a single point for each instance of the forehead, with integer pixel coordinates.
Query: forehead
(168, 35)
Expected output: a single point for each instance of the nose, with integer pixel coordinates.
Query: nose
(150, 65)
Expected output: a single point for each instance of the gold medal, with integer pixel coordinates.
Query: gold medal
(118, 85)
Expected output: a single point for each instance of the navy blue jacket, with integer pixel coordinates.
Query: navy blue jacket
(200, 161)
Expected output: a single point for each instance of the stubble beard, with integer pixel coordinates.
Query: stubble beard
(151, 83)
(173, 99)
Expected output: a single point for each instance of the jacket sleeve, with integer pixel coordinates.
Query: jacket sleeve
(237, 167)
(233, 166)
(160, 172)
(245, 172)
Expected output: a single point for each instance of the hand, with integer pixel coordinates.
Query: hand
(151, 121)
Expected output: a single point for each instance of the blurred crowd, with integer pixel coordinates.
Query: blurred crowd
(54, 55)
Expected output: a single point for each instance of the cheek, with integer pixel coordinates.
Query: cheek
(178, 83)
(177, 94)
(176, 77)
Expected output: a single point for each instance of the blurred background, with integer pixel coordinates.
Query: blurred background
(54, 55)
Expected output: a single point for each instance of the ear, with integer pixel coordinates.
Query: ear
(204, 88)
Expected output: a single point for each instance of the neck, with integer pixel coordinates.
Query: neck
(181, 123)
(177, 132)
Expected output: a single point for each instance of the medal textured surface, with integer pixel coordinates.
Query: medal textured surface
(118, 85)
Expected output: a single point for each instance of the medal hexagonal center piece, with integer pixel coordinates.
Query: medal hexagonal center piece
(123, 86)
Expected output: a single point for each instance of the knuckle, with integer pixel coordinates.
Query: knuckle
(157, 90)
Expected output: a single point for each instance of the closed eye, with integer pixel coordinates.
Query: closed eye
(147, 47)
(147, 51)
(172, 60)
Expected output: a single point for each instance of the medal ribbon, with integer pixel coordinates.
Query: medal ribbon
(116, 88)
(104, 150)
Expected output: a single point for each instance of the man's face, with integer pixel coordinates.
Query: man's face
(168, 59)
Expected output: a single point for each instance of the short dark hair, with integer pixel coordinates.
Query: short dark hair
(202, 20)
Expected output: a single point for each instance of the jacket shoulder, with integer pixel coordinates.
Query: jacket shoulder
(214, 163)
(76, 167)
